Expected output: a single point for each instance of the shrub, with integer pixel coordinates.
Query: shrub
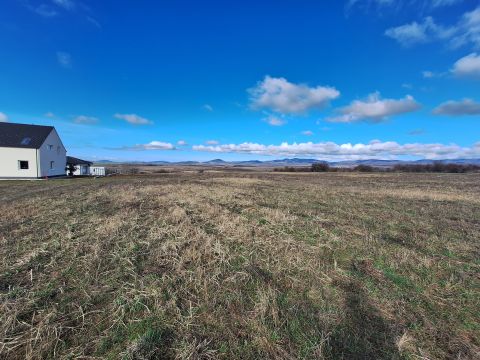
(320, 167)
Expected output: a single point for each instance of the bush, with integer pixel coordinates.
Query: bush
(320, 167)
(364, 168)
(438, 167)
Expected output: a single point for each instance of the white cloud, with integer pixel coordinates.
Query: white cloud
(414, 33)
(211, 142)
(458, 108)
(281, 96)
(465, 31)
(133, 119)
(375, 109)
(87, 120)
(49, 114)
(181, 143)
(307, 133)
(153, 145)
(333, 151)
(274, 121)
(468, 67)
(468, 30)
(3, 117)
(66, 4)
(207, 107)
(64, 59)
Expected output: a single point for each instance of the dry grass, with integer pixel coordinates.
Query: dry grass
(241, 265)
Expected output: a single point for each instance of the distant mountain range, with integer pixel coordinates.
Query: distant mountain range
(294, 162)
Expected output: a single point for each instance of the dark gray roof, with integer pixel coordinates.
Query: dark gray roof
(74, 161)
(23, 135)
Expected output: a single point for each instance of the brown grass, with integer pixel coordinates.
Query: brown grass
(241, 265)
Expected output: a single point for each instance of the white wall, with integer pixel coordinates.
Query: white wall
(57, 154)
(9, 166)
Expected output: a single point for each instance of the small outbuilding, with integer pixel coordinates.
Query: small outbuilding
(79, 167)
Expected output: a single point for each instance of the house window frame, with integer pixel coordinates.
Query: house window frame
(20, 165)
(50, 147)
(52, 165)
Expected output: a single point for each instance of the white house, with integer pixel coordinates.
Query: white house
(31, 151)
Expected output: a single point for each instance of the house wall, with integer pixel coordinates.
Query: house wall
(57, 154)
(9, 167)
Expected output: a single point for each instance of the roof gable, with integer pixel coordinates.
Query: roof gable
(23, 135)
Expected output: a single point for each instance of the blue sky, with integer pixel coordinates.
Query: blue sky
(196, 80)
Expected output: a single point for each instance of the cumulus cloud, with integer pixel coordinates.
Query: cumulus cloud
(86, 120)
(64, 59)
(458, 108)
(274, 121)
(307, 133)
(153, 145)
(211, 142)
(465, 31)
(468, 67)
(3, 117)
(207, 107)
(133, 119)
(333, 151)
(281, 96)
(375, 109)
(181, 143)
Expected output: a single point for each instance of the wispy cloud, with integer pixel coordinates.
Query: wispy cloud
(274, 120)
(153, 145)
(64, 59)
(94, 22)
(380, 6)
(333, 151)
(207, 107)
(44, 10)
(182, 143)
(307, 133)
(467, 67)
(465, 31)
(375, 109)
(49, 114)
(414, 33)
(458, 108)
(86, 120)
(281, 96)
(416, 132)
(66, 4)
(3, 117)
(133, 119)
(212, 142)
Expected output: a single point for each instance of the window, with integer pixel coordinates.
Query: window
(58, 150)
(50, 147)
(26, 141)
(23, 164)
(52, 165)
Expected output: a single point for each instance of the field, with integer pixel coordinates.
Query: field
(241, 265)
